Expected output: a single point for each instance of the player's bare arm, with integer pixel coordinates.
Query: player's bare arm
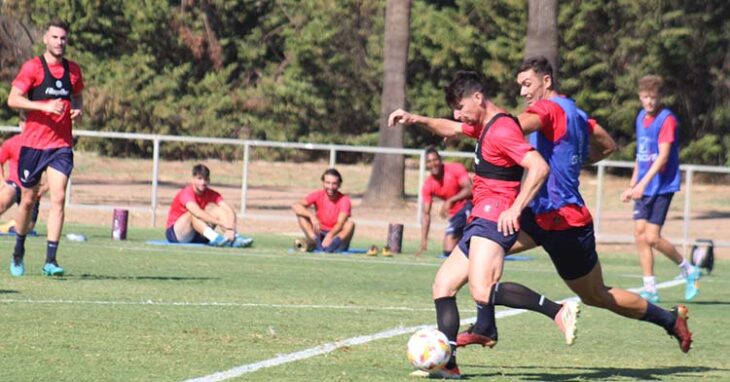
(301, 208)
(637, 192)
(425, 228)
(464, 193)
(529, 123)
(439, 126)
(77, 105)
(601, 145)
(19, 100)
(336, 229)
(537, 171)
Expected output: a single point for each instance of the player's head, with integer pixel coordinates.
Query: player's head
(650, 92)
(331, 181)
(56, 37)
(201, 178)
(434, 164)
(467, 96)
(535, 76)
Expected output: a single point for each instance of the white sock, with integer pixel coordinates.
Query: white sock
(685, 267)
(650, 284)
(210, 234)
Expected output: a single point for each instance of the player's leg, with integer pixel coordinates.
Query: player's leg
(646, 260)
(451, 276)
(344, 237)
(22, 220)
(486, 261)
(8, 194)
(450, 242)
(305, 224)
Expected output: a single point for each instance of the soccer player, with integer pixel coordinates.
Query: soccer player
(654, 181)
(48, 88)
(449, 182)
(10, 191)
(197, 210)
(558, 219)
(328, 228)
(500, 194)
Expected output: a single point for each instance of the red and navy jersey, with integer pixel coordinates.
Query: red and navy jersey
(650, 132)
(186, 195)
(42, 82)
(449, 185)
(9, 153)
(500, 150)
(563, 142)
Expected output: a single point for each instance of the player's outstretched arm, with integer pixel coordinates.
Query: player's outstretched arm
(439, 126)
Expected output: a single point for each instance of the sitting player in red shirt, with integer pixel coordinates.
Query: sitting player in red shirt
(197, 210)
(328, 228)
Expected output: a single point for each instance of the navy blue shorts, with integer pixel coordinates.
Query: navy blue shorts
(172, 238)
(336, 245)
(33, 162)
(457, 223)
(18, 194)
(572, 251)
(487, 229)
(653, 208)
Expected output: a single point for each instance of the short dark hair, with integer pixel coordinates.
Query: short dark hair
(651, 83)
(333, 172)
(58, 23)
(464, 84)
(431, 149)
(202, 170)
(540, 65)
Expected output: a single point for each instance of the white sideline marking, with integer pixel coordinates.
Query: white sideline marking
(217, 304)
(332, 346)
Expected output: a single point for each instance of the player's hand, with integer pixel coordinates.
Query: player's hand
(509, 221)
(326, 241)
(444, 210)
(637, 192)
(626, 195)
(401, 116)
(55, 106)
(76, 115)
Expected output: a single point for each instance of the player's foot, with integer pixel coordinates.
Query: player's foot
(469, 338)
(241, 242)
(566, 320)
(17, 268)
(51, 269)
(444, 373)
(692, 288)
(652, 297)
(680, 331)
(219, 241)
(387, 252)
(372, 251)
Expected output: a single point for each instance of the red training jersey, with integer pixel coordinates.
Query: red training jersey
(449, 185)
(45, 130)
(554, 128)
(186, 195)
(503, 145)
(9, 153)
(328, 209)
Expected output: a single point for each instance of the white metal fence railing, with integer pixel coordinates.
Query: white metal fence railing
(333, 149)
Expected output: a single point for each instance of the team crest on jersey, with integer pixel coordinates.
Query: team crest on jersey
(59, 84)
(643, 145)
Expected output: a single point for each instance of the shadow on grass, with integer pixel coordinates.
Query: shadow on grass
(87, 276)
(7, 291)
(596, 373)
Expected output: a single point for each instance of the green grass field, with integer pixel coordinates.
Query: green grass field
(129, 311)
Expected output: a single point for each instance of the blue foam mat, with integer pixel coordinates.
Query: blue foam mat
(165, 242)
(12, 233)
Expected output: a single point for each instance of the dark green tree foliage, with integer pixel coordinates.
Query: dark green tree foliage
(311, 70)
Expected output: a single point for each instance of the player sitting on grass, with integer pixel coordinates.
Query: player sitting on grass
(197, 210)
(328, 228)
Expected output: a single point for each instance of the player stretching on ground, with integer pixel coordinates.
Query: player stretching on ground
(48, 88)
(449, 182)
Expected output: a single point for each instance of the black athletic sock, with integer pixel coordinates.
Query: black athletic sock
(447, 318)
(486, 324)
(19, 250)
(659, 316)
(521, 297)
(51, 249)
(445, 253)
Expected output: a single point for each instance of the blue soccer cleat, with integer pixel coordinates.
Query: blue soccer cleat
(241, 242)
(17, 269)
(50, 269)
(219, 241)
(692, 288)
(652, 297)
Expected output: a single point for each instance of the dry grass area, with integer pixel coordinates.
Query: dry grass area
(273, 186)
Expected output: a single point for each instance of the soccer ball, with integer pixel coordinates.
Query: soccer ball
(428, 350)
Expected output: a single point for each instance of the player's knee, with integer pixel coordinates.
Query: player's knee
(442, 288)
(652, 239)
(480, 292)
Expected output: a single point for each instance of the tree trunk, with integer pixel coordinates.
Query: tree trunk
(542, 32)
(386, 184)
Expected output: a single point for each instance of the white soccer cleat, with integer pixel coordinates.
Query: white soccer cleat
(567, 319)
